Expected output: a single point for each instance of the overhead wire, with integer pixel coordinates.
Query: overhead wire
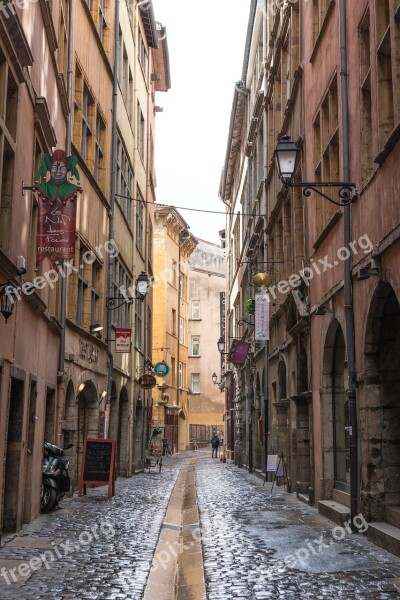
(160, 205)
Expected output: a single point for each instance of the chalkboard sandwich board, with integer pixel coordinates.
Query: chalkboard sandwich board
(98, 465)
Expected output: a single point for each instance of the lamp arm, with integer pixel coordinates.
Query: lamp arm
(345, 191)
(111, 303)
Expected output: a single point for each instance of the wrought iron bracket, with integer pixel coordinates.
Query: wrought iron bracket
(347, 191)
(26, 188)
(111, 303)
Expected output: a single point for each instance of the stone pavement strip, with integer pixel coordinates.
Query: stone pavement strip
(178, 561)
(145, 544)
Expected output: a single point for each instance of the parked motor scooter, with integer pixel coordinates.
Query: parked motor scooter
(55, 478)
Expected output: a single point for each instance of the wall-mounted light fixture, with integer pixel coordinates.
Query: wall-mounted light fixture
(214, 379)
(8, 296)
(96, 329)
(142, 287)
(287, 155)
(366, 272)
(322, 310)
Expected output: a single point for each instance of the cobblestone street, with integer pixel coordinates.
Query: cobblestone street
(255, 544)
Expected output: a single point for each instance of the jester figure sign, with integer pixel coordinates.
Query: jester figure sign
(57, 211)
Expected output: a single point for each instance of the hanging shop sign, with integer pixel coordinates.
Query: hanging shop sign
(56, 229)
(147, 381)
(123, 340)
(161, 369)
(261, 320)
(238, 352)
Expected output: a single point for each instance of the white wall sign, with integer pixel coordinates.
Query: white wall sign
(123, 340)
(262, 317)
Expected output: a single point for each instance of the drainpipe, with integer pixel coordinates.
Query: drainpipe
(240, 89)
(111, 259)
(348, 295)
(68, 144)
(63, 282)
(265, 158)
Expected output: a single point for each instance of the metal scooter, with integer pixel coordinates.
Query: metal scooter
(55, 478)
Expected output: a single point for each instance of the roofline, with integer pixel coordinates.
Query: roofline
(149, 23)
(242, 83)
(164, 40)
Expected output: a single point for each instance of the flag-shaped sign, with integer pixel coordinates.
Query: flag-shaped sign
(123, 340)
(56, 232)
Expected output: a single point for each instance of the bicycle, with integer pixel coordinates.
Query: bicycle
(193, 444)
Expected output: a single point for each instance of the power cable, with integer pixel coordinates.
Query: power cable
(160, 205)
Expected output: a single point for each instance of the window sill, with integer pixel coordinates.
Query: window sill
(194, 356)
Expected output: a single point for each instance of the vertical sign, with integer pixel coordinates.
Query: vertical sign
(56, 227)
(262, 317)
(123, 340)
(222, 327)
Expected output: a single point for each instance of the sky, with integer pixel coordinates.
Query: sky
(206, 43)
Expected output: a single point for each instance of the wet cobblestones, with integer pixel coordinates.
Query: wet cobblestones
(249, 532)
(111, 567)
(246, 534)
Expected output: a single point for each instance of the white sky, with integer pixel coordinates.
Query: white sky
(206, 46)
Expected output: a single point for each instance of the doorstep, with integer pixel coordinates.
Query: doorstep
(384, 535)
(335, 511)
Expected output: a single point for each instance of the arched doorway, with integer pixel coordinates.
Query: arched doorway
(122, 440)
(381, 469)
(113, 433)
(336, 438)
(282, 409)
(302, 400)
(70, 433)
(88, 418)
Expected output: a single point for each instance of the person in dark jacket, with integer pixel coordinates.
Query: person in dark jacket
(215, 445)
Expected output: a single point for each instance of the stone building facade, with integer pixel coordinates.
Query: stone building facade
(173, 246)
(329, 80)
(59, 379)
(206, 401)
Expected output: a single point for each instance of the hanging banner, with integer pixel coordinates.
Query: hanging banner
(261, 326)
(238, 352)
(56, 230)
(123, 340)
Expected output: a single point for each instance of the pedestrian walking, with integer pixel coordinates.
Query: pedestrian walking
(215, 445)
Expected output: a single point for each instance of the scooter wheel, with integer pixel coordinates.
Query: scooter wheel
(48, 499)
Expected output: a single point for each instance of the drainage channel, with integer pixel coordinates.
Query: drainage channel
(178, 572)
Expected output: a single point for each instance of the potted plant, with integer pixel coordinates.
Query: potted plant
(250, 306)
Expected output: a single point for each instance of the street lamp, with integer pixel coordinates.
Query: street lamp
(8, 295)
(142, 288)
(221, 345)
(287, 155)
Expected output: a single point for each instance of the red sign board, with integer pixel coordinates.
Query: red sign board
(123, 340)
(98, 465)
(147, 381)
(56, 228)
(238, 352)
